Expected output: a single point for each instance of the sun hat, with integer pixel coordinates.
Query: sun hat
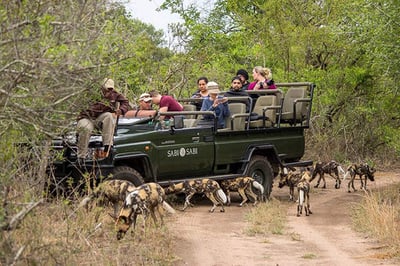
(145, 97)
(213, 87)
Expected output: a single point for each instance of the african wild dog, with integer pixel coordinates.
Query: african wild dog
(362, 170)
(303, 188)
(110, 192)
(290, 179)
(146, 199)
(207, 186)
(332, 168)
(243, 185)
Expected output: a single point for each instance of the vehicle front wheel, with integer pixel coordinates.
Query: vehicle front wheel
(260, 169)
(129, 174)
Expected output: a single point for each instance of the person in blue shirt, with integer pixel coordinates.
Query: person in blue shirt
(215, 102)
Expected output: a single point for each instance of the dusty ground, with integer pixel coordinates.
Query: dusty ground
(324, 238)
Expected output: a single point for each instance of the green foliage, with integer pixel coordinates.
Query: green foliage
(348, 49)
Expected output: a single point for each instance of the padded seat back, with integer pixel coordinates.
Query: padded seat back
(289, 105)
(261, 108)
(189, 107)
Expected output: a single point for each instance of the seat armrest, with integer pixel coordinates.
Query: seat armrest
(239, 115)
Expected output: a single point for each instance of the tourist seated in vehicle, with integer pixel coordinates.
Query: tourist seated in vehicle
(218, 104)
(144, 109)
(244, 77)
(166, 103)
(201, 92)
(236, 90)
(262, 79)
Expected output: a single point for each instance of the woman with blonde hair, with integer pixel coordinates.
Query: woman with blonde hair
(262, 79)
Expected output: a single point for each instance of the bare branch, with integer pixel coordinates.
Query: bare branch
(20, 216)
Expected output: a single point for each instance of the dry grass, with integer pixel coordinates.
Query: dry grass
(266, 218)
(378, 216)
(56, 234)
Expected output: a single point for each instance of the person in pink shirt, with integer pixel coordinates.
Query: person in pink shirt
(262, 79)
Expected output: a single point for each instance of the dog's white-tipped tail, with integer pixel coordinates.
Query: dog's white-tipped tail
(168, 208)
(346, 175)
(221, 197)
(85, 202)
(258, 186)
(301, 196)
(341, 170)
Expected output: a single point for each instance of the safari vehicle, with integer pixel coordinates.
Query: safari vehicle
(255, 144)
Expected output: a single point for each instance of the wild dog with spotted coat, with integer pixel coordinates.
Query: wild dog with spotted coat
(362, 170)
(290, 178)
(110, 192)
(331, 168)
(206, 186)
(147, 199)
(245, 186)
(303, 188)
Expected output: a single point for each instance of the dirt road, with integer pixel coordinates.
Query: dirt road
(324, 238)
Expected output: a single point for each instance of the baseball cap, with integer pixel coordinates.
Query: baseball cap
(145, 97)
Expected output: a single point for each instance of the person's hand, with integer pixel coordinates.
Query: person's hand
(118, 112)
(216, 102)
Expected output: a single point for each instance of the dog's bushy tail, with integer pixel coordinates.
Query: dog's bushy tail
(301, 196)
(168, 208)
(260, 189)
(347, 174)
(85, 201)
(221, 196)
(341, 171)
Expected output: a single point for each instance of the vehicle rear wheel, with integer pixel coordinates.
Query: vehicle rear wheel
(129, 174)
(260, 169)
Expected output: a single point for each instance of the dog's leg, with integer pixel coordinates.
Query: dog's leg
(307, 206)
(336, 177)
(160, 211)
(365, 182)
(291, 192)
(319, 180)
(187, 200)
(153, 215)
(228, 197)
(323, 178)
(351, 182)
(211, 197)
(243, 195)
(249, 192)
(217, 199)
(301, 200)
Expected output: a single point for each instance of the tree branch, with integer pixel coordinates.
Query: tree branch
(20, 216)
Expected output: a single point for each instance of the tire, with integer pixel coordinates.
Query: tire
(129, 174)
(260, 169)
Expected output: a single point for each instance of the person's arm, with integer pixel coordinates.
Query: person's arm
(123, 104)
(163, 109)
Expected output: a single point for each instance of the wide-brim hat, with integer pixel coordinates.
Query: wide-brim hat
(213, 87)
(214, 91)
